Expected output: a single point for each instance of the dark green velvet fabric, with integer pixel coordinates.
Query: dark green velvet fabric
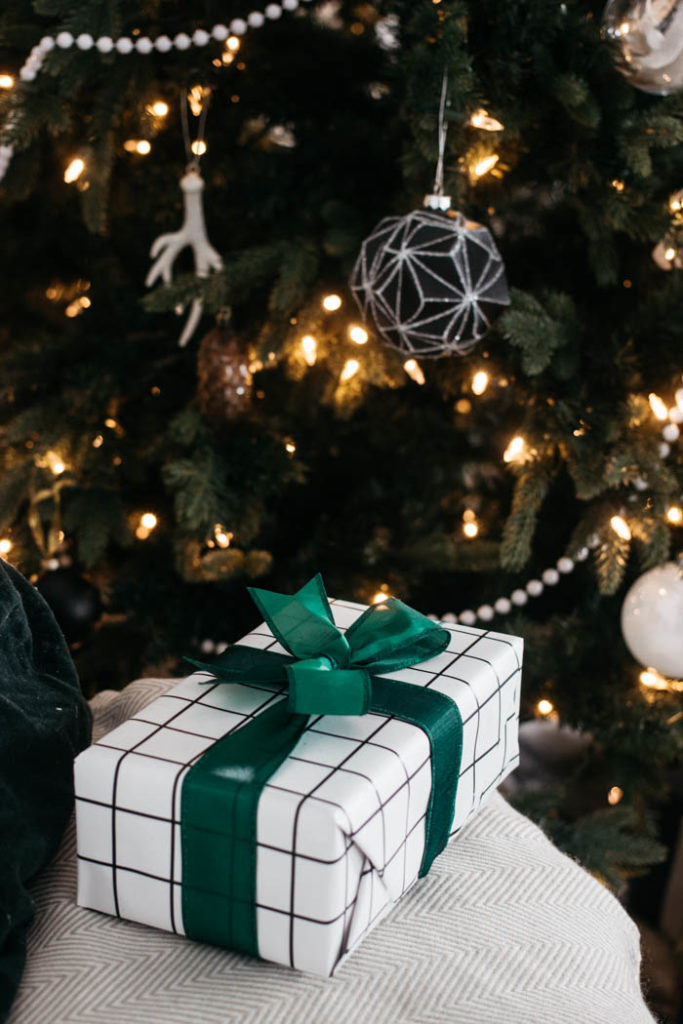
(44, 723)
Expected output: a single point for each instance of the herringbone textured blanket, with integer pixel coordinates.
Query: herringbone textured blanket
(504, 930)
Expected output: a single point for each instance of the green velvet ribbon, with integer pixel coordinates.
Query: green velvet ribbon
(326, 672)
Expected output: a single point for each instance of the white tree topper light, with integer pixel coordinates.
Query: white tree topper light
(193, 234)
(430, 282)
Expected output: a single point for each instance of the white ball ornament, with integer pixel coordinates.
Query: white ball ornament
(652, 620)
(565, 565)
(27, 74)
(550, 577)
(46, 44)
(676, 415)
(273, 11)
(503, 606)
(485, 612)
(664, 449)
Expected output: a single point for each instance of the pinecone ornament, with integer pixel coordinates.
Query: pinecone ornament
(224, 380)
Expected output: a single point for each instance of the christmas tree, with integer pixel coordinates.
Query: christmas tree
(525, 481)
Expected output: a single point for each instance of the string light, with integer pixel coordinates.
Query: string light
(414, 371)
(76, 307)
(74, 170)
(670, 254)
(485, 165)
(198, 147)
(6, 81)
(351, 368)
(358, 334)
(5, 546)
(515, 450)
(309, 347)
(658, 407)
(97, 441)
(141, 146)
(463, 406)
(332, 302)
(651, 679)
(676, 202)
(148, 520)
(290, 447)
(480, 382)
(545, 707)
(381, 595)
(195, 97)
(675, 515)
(617, 185)
(620, 527)
(159, 108)
(482, 119)
(55, 463)
(470, 529)
(614, 796)
(233, 43)
(223, 537)
(111, 423)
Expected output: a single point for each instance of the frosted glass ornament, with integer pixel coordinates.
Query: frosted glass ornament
(648, 35)
(652, 620)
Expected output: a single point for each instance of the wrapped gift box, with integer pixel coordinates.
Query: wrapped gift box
(341, 824)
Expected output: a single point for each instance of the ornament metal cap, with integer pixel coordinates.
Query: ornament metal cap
(435, 201)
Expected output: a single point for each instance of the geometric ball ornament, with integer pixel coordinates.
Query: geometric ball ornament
(430, 282)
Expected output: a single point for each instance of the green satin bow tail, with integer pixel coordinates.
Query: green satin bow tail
(325, 672)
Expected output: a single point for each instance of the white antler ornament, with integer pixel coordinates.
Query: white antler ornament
(192, 234)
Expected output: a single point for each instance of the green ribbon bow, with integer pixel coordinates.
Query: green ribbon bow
(326, 672)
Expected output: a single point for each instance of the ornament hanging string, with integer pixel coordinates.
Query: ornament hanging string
(442, 136)
(194, 150)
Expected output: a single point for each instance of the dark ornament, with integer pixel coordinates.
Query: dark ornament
(430, 282)
(224, 380)
(75, 602)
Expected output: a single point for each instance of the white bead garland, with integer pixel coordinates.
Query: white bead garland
(144, 45)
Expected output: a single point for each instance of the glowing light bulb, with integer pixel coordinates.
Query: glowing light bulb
(463, 406)
(233, 43)
(482, 119)
(97, 441)
(198, 147)
(74, 170)
(485, 165)
(380, 596)
(658, 406)
(290, 447)
(143, 147)
(351, 368)
(614, 795)
(675, 515)
(358, 334)
(545, 707)
(620, 527)
(675, 203)
(148, 520)
(332, 302)
(515, 450)
(6, 81)
(5, 546)
(617, 185)
(158, 108)
(414, 371)
(111, 423)
(480, 382)
(223, 537)
(670, 254)
(309, 347)
(470, 530)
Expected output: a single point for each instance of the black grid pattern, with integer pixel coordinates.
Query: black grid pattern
(340, 824)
